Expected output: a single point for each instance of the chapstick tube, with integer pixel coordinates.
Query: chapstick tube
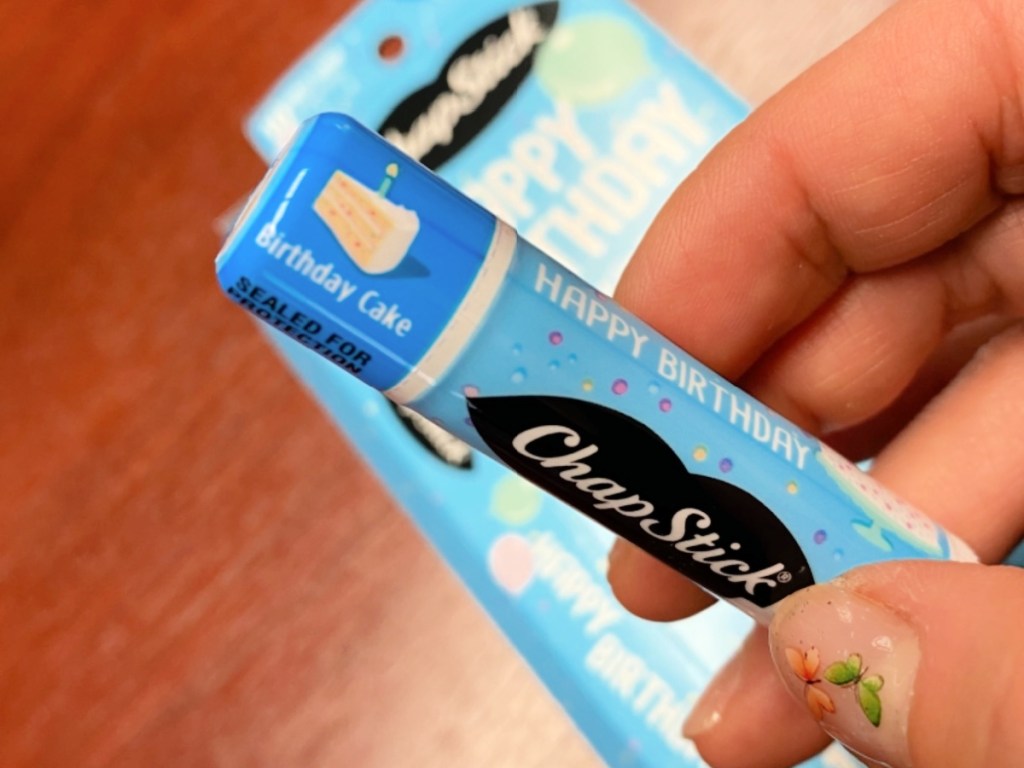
(370, 260)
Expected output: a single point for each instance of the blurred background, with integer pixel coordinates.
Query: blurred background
(195, 568)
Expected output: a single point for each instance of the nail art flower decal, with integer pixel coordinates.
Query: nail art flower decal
(844, 674)
(851, 674)
(805, 666)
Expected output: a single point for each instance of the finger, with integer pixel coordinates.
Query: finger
(900, 646)
(649, 588)
(885, 150)
(866, 439)
(855, 356)
(747, 720)
(860, 351)
(960, 460)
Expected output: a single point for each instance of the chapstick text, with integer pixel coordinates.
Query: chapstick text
(589, 308)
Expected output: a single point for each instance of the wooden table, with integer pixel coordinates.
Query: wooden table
(195, 570)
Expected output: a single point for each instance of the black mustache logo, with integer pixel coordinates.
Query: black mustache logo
(622, 474)
(478, 79)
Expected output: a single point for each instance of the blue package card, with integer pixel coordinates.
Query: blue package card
(573, 121)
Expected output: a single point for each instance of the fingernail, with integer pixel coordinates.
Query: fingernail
(707, 712)
(852, 662)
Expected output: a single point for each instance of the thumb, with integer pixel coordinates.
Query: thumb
(911, 663)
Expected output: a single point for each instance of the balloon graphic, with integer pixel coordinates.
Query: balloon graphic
(591, 60)
(510, 561)
(515, 501)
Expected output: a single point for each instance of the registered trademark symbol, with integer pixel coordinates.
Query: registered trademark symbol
(784, 576)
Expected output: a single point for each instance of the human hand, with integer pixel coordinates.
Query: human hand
(853, 255)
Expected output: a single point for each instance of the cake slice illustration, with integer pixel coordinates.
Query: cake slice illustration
(373, 231)
(889, 515)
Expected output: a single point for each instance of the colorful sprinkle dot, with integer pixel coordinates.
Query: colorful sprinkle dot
(572, 358)
(555, 337)
(518, 376)
(470, 391)
(838, 555)
(619, 386)
(792, 487)
(588, 385)
(725, 465)
(665, 405)
(554, 365)
(653, 388)
(517, 349)
(700, 453)
(820, 536)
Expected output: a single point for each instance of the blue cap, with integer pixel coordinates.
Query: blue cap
(363, 255)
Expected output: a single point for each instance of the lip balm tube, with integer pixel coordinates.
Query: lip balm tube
(362, 255)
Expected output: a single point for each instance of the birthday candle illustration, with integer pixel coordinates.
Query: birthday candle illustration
(390, 174)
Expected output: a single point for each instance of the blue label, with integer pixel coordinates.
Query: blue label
(339, 251)
(600, 410)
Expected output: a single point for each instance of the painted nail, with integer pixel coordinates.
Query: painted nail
(707, 712)
(852, 662)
